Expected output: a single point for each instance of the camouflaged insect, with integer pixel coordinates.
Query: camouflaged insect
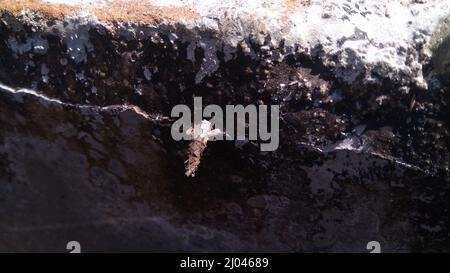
(200, 134)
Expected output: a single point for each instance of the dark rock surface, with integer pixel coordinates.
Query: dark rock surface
(86, 152)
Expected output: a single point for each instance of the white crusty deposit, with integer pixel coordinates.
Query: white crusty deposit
(385, 36)
(357, 39)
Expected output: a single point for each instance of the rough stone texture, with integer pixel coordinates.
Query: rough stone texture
(85, 146)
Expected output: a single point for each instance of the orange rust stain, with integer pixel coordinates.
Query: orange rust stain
(118, 11)
(296, 4)
(49, 11)
(142, 12)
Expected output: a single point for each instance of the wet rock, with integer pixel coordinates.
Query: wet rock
(86, 151)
